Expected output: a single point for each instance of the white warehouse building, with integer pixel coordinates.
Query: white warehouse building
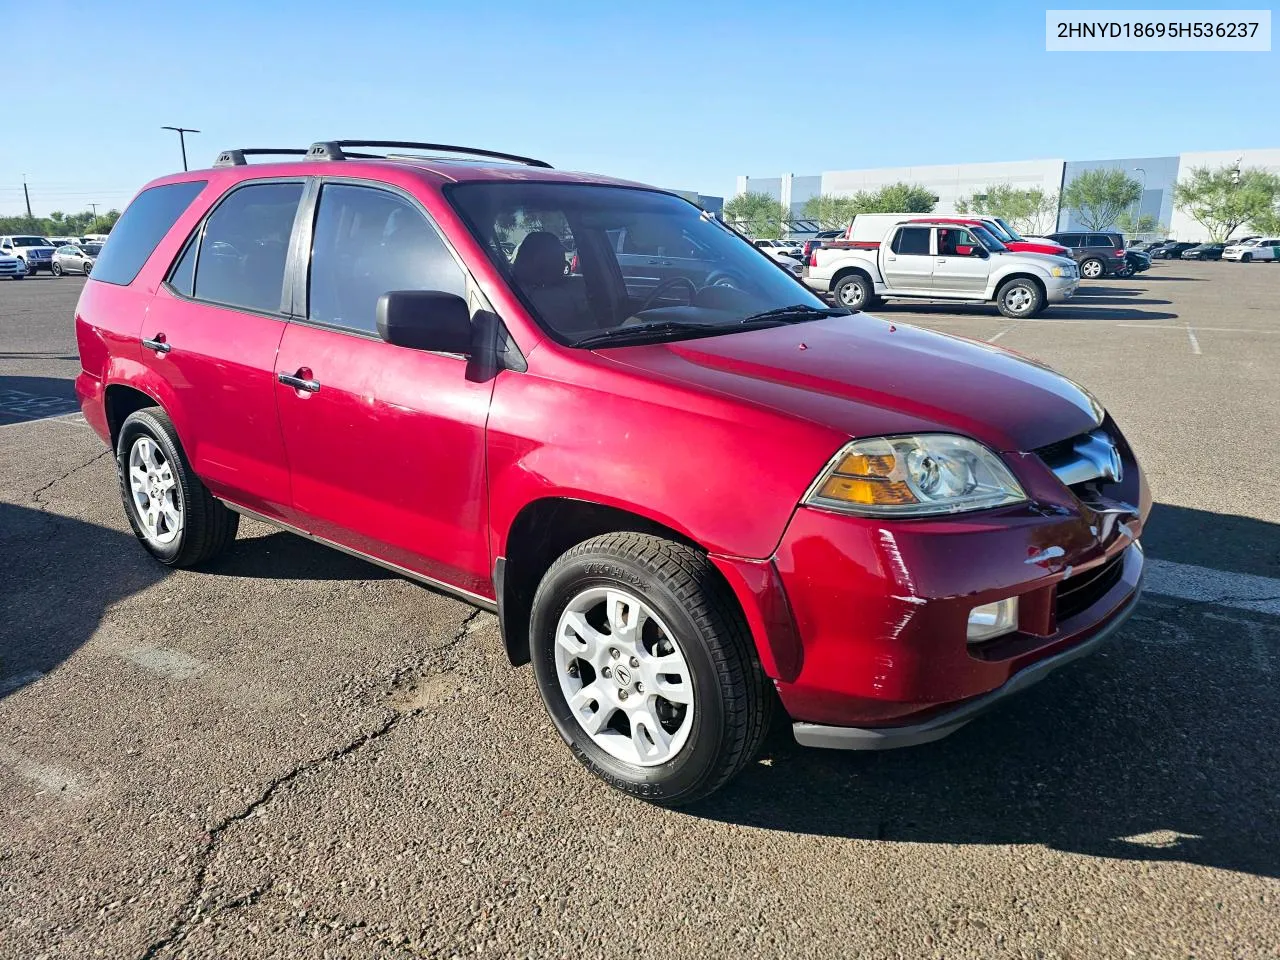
(950, 182)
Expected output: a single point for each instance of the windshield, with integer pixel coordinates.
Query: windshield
(92, 249)
(988, 239)
(994, 227)
(644, 259)
(30, 242)
(1013, 234)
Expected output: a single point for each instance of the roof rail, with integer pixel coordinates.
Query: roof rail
(336, 150)
(236, 158)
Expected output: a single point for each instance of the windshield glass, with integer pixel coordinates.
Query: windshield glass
(1013, 234)
(643, 258)
(999, 231)
(988, 239)
(30, 242)
(92, 249)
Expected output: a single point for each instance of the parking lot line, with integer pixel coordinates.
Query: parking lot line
(1195, 344)
(1205, 585)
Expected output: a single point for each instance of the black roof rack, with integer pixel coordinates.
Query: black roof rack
(236, 158)
(336, 150)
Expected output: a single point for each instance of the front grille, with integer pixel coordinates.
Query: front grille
(1081, 592)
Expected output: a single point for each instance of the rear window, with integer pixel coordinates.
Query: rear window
(1104, 240)
(912, 240)
(140, 228)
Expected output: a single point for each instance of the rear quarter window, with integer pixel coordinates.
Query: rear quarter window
(141, 227)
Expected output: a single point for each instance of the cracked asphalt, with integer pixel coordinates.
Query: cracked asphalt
(293, 753)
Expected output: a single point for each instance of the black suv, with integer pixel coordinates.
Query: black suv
(1099, 254)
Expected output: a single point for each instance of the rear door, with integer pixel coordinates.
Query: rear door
(212, 332)
(907, 263)
(386, 453)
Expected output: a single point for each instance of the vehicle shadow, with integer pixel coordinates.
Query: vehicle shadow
(1165, 746)
(280, 555)
(60, 575)
(1054, 311)
(60, 387)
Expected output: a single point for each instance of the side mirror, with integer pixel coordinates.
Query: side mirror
(425, 320)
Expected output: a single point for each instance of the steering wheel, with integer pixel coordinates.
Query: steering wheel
(670, 282)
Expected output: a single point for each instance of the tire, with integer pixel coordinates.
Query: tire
(56, 270)
(718, 726)
(855, 292)
(1125, 271)
(1020, 298)
(1093, 269)
(1246, 258)
(87, 268)
(204, 525)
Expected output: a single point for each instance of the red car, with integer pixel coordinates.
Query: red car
(1006, 236)
(690, 490)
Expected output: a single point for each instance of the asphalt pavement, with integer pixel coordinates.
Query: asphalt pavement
(293, 753)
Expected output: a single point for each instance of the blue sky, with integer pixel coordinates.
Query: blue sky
(684, 95)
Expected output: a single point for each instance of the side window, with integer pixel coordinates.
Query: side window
(245, 245)
(1097, 240)
(141, 227)
(912, 241)
(367, 242)
(183, 276)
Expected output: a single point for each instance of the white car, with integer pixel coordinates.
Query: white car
(12, 267)
(36, 253)
(1259, 248)
(786, 248)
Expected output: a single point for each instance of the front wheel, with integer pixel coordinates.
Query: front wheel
(646, 667)
(1246, 258)
(172, 513)
(1020, 298)
(87, 268)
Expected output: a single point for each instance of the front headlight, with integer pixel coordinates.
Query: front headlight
(1062, 271)
(913, 477)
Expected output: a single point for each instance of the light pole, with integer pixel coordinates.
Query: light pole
(182, 140)
(1137, 216)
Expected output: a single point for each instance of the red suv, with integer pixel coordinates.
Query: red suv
(690, 490)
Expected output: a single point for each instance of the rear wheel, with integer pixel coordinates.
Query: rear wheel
(855, 292)
(1020, 298)
(646, 667)
(1092, 269)
(173, 514)
(56, 269)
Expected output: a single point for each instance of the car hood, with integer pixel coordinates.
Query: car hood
(864, 376)
(1038, 246)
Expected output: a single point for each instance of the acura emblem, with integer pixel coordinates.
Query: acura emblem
(1098, 449)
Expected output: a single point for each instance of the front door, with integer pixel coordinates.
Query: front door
(907, 266)
(212, 331)
(385, 443)
(959, 269)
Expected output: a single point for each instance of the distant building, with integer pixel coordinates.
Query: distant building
(952, 181)
(713, 205)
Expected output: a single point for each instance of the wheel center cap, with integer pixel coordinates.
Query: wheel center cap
(622, 675)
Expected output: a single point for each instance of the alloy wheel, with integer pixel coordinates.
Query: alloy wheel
(851, 295)
(1018, 299)
(155, 491)
(1092, 269)
(624, 676)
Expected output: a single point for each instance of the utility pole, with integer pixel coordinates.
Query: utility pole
(94, 207)
(28, 196)
(182, 139)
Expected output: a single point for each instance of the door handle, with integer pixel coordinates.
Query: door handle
(158, 343)
(942, 260)
(299, 383)
(660, 262)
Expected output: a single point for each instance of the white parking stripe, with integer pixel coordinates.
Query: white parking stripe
(166, 661)
(1202, 584)
(1195, 344)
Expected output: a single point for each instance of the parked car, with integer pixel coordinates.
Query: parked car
(35, 253)
(70, 258)
(941, 261)
(1256, 248)
(1171, 250)
(817, 240)
(56, 242)
(685, 505)
(12, 267)
(1204, 251)
(1135, 262)
(1017, 245)
(1099, 254)
(787, 248)
(1146, 246)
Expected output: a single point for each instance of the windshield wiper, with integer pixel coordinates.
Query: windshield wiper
(643, 331)
(796, 313)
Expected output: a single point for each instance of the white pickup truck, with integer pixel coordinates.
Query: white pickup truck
(941, 261)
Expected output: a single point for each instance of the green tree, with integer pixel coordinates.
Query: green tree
(1223, 199)
(831, 212)
(59, 224)
(895, 198)
(757, 214)
(1098, 197)
(1267, 222)
(1030, 210)
(1146, 223)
